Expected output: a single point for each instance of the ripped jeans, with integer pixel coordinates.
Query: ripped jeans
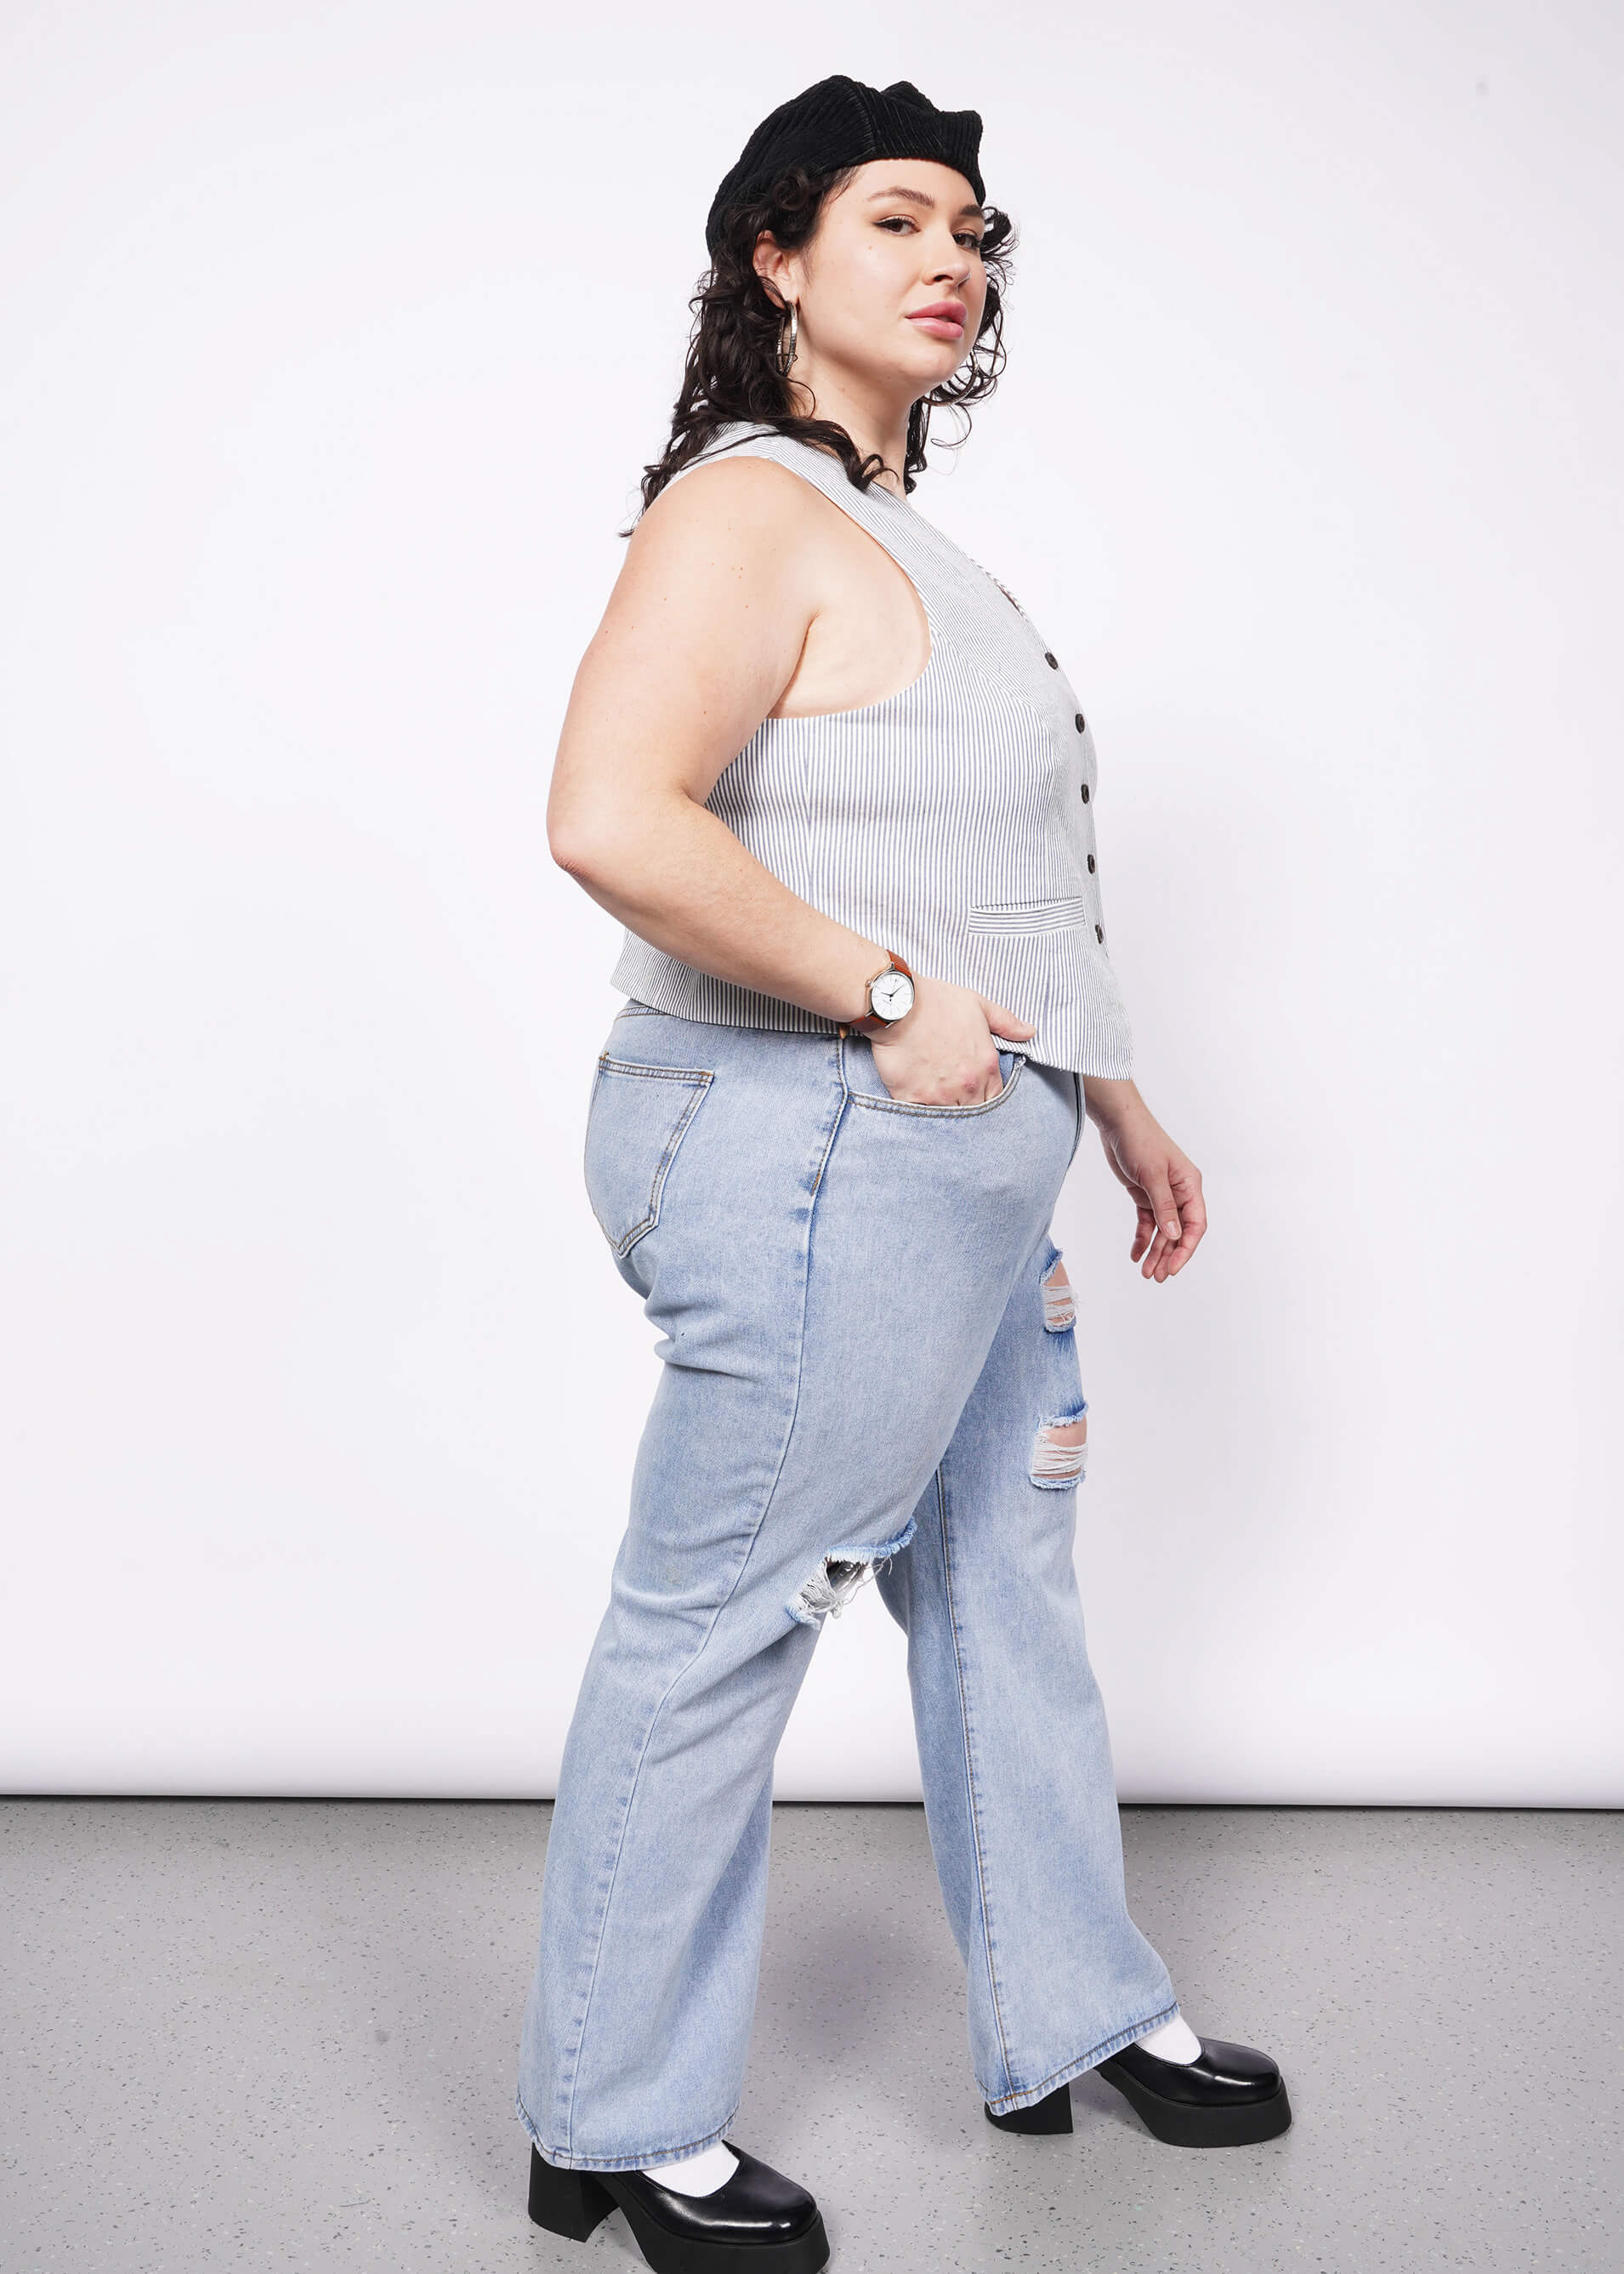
(869, 1370)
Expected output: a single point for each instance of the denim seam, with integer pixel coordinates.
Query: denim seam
(1003, 2102)
(620, 2163)
(698, 1652)
(970, 1783)
(655, 1073)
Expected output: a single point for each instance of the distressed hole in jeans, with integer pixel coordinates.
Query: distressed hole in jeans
(1060, 1451)
(1059, 1304)
(842, 1571)
(832, 1586)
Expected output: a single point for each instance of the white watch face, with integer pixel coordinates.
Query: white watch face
(892, 995)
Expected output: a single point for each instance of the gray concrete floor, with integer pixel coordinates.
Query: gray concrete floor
(282, 2034)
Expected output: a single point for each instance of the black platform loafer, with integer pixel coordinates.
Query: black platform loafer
(758, 2223)
(1232, 2097)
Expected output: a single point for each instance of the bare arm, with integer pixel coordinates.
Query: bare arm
(701, 636)
(1170, 1207)
(702, 633)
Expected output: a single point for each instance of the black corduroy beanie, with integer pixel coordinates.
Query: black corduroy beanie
(840, 122)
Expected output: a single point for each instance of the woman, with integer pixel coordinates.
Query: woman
(836, 788)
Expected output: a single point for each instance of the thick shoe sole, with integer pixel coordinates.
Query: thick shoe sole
(1242, 2126)
(1053, 2113)
(572, 2203)
(1180, 2126)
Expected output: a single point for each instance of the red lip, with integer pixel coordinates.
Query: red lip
(941, 311)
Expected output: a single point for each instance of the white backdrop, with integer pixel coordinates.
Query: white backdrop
(334, 339)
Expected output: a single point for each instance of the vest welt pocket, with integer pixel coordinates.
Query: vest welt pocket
(638, 1117)
(1068, 915)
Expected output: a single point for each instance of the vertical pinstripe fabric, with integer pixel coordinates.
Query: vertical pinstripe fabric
(953, 822)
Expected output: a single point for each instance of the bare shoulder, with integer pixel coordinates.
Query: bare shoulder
(726, 554)
(717, 581)
(748, 510)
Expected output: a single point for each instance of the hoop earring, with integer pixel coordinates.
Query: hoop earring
(789, 335)
(924, 423)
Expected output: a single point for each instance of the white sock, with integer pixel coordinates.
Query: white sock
(1174, 2041)
(697, 2175)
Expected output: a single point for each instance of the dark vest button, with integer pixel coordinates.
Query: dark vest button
(1085, 793)
(1091, 864)
(1079, 722)
(1100, 935)
(1050, 661)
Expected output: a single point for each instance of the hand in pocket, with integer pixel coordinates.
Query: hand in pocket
(943, 1052)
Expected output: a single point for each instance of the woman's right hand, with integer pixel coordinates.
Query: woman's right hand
(943, 1053)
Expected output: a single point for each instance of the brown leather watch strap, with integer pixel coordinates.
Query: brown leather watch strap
(871, 1024)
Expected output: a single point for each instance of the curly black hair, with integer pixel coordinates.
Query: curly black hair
(733, 372)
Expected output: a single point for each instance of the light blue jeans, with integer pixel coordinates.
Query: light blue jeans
(860, 1367)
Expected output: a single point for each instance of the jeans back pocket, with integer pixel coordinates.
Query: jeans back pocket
(638, 1117)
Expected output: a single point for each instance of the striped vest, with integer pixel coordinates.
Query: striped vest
(953, 822)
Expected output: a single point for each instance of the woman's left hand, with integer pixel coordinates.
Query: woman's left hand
(1165, 1183)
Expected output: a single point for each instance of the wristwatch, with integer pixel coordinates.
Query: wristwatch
(890, 998)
